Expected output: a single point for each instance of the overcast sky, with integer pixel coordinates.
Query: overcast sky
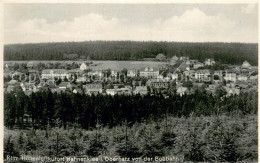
(33, 23)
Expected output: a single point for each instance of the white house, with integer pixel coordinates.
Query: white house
(174, 60)
(55, 73)
(142, 90)
(202, 75)
(230, 77)
(114, 73)
(254, 77)
(131, 73)
(246, 65)
(242, 78)
(174, 76)
(231, 91)
(182, 90)
(198, 65)
(97, 73)
(64, 85)
(209, 62)
(111, 92)
(93, 88)
(149, 72)
(83, 67)
(184, 59)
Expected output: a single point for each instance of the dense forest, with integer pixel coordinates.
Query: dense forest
(66, 109)
(226, 53)
(195, 127)
(197, 139)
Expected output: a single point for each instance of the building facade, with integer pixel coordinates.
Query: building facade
(55, 73)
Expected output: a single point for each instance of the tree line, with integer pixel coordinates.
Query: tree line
(65, 109)
(226, 53)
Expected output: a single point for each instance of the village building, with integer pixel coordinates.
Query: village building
(95, 73)
(184, 59)
(142, 90)
(30, 65)
(173, 76)
(83, 67)
(95, 88)
(149, 72)
(174, 60)
(10, 88)
(55, 73)
(131, 73)
(10, 66)
(12, 85)
(65, 85)
(167, 78)
(28, 86)
(189, 73)
(119, 91)
(209, 62)
(123, 91)
(114, 73)
(241, 86)
(160, 77)
(253, 77)
(192, 61)
(182, 90)
(57, 90)
(8, 73)
(118, 86)
(111, 92)
(183, 67)
(28, 92)
(199, 85)
(76, 71)
(157, 83)
(24, 86)
(77, 90)
(198, 65)
(188, 62)
(242, 77)
(82, 79)
(202, 75)
(246, 65)
(12, 82)
(231, 91)
(212, 88)
(230, 77)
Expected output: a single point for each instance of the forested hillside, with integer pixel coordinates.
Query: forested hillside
(231, 53)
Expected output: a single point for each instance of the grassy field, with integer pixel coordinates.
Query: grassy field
(222, 138)
(113, 65)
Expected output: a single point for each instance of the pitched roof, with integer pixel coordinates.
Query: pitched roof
(12, 82)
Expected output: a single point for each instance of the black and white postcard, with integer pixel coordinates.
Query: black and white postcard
(130, 82)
